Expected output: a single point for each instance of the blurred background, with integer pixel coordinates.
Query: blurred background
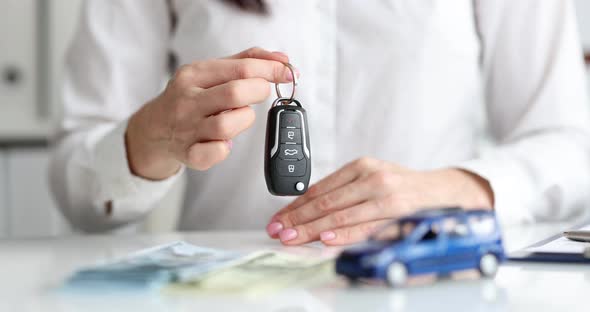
(34, 35)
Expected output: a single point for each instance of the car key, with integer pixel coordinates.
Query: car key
(287, 156)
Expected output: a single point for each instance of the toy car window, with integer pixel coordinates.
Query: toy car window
(431, 234)
(482, 225)
(455, 227)
(394, 231)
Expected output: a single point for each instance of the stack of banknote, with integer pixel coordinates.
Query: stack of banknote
(261, 272)
(154, 267)
(181, 267)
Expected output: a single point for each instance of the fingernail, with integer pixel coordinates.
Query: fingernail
(274, 228)
(288, 235)
(230, 144)
(326, 236)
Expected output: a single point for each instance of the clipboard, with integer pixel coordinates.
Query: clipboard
(525, 255)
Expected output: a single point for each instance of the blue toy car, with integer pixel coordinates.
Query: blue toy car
(438, 241)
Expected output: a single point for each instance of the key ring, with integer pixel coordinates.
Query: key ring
(292, 69)
(287, 101)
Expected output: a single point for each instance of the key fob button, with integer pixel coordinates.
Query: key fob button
(290, 151)
(291, 168)
(290, 136)
(292, 120)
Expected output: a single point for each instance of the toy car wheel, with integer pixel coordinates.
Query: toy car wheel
(397, 274)
(488, 265)
(444, 275)
(353, 281)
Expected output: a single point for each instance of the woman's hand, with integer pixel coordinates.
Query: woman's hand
(348, 205)
(203, 107)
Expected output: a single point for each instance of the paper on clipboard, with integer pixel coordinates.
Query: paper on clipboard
(562, 245)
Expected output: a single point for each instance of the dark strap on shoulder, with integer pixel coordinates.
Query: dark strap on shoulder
(173, 17)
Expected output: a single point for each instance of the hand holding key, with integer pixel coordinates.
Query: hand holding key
(203, 107)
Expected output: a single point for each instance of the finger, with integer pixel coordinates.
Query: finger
(365, 212)
(342, 176)
(233, 94)
(337, 179)
(202, 156)
(346, 196)
(206, 74)
(351, 234)
(263, 54)
(226, 125)
(259, 53)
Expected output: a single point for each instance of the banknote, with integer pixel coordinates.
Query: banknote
(154, 267)
(261, 272)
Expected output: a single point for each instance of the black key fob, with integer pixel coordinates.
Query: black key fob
(287, 155)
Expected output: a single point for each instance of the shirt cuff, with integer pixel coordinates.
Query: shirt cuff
(510, 187)
(122, 195)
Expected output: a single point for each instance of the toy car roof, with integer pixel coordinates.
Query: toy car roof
(438, 213)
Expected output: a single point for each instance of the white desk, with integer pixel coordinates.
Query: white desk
(31, 270)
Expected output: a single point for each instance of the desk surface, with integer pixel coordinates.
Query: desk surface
(32, 269)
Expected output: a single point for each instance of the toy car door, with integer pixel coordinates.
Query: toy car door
(427, 253)
(461, 247)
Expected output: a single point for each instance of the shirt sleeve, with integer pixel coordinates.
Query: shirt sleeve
(115, 63)
(537, 109)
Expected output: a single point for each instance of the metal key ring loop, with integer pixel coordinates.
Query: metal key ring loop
(287, 101)
(292, 69)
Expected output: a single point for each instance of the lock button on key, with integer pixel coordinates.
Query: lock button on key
(291, 168)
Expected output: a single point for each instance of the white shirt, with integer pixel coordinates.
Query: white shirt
(406, 81)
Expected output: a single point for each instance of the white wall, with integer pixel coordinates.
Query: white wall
(32, 212)
(18, 110)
